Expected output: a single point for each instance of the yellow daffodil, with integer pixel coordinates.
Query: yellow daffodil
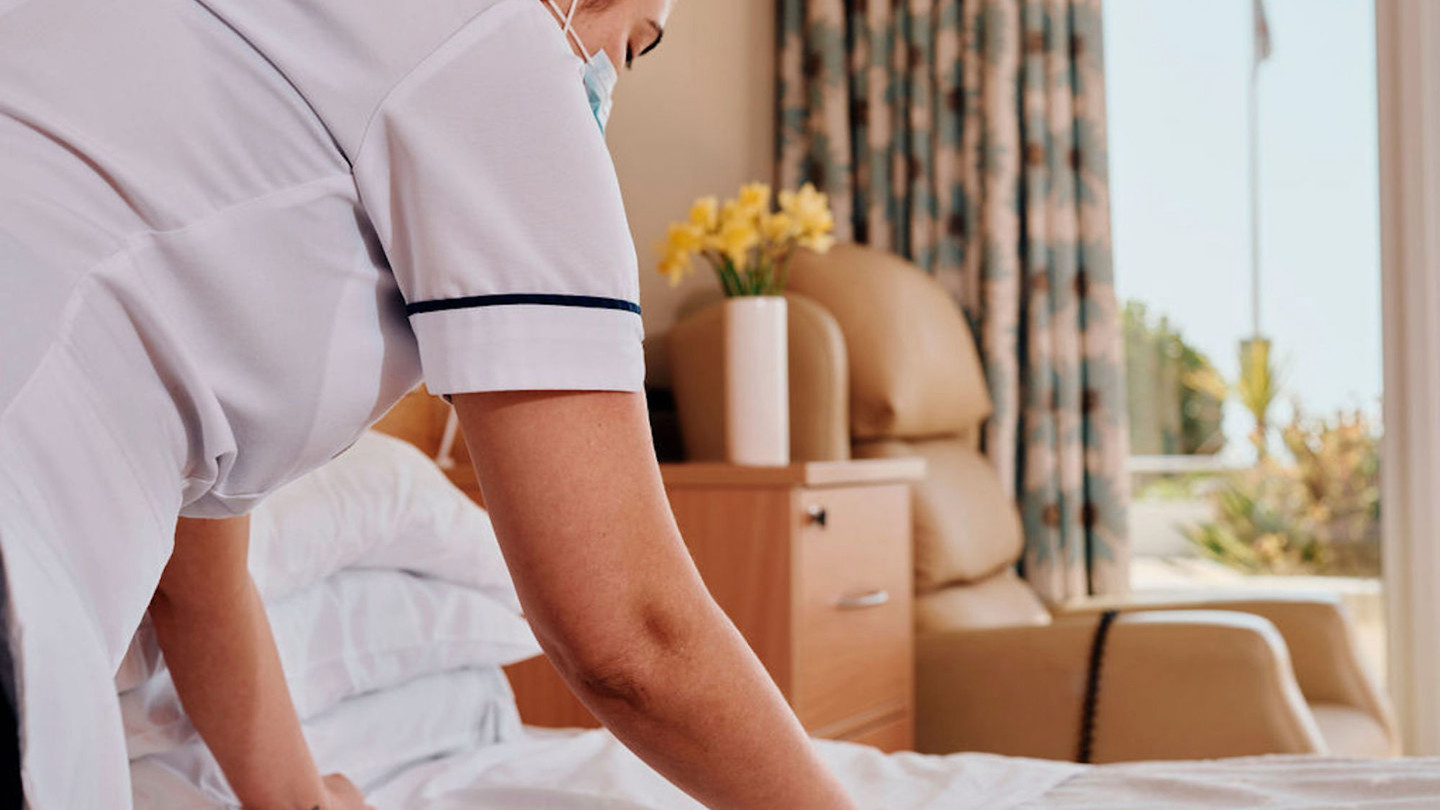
(734, 211)
(705, 214)
(675, 267)
(735, 220)
(806, 199)
(809, 207)
(682, 241)
(778, 228)
(737, 236)
(788, 201)
(685, 238)
(744, 240)
(811, 211)
(755, 198)
(820, 243)
(818, 224)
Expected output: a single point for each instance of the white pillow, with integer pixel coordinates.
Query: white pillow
(382, 504)
(367, 738)
(354, 633)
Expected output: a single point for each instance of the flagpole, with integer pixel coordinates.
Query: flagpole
(1256, 57)
(1254, 202)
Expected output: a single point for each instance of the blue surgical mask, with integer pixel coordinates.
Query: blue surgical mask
(600, 74)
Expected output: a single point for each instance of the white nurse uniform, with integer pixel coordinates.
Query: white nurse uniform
(232, 233)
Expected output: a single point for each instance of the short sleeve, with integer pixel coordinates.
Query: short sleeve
(495, 200)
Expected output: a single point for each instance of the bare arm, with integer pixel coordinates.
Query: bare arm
(575, 493)
(217, 644)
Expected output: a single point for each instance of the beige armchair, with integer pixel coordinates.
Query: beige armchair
(884, 365)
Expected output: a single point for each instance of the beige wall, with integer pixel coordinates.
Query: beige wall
(695, 117)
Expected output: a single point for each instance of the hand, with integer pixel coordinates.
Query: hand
(340, 794)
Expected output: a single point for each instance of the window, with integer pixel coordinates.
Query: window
(1255, 418)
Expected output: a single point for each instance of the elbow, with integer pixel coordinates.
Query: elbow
(627, 660)
(616, 682)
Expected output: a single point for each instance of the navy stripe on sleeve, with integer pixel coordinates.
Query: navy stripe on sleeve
(520, 299)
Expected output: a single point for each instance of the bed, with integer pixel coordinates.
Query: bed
(394, 614)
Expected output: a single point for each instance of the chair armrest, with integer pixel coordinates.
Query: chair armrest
(1174, 685)
(1317, 630)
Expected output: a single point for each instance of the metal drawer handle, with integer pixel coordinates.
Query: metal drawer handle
(818, 514)
(860, 601)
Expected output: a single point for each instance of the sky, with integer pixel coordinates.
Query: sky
(1178, 77)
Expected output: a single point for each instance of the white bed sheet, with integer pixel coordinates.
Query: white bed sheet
(566, 771)
(368, 739)
(1290, 782)
(590, 770)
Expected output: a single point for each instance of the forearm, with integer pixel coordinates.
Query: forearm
(581, 514)
(702, 711)
(220, 653)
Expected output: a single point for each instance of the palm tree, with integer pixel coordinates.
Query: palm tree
(1258, 388)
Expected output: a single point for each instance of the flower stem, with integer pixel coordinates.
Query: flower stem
(729, 279)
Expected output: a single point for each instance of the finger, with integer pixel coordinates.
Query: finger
(341, 784)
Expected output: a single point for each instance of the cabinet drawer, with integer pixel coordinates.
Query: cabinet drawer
(853, 642)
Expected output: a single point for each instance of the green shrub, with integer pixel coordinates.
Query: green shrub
(1174, 407)
(1317, 512)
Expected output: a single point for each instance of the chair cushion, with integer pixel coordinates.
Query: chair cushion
(914, 370)
(1350, 732)
(1000, 601)
(966, 528)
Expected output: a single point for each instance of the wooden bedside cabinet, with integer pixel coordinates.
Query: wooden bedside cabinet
(812, 562)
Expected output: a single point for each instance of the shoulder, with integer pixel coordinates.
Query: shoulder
(346, 56)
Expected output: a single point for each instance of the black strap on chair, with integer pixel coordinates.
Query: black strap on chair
(1092, 686)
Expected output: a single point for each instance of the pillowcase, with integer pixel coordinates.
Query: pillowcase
(356, 632)
(366, 738)
(382, 504)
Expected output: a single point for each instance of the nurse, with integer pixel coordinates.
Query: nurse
(232, 234)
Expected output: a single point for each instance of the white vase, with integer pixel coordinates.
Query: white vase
(757, 381)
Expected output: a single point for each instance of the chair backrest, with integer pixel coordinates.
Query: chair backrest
(914, 371)
(917, 389)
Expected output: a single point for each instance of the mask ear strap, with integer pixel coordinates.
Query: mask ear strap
(569, 29)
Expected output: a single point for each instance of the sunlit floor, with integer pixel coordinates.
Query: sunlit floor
(1363, 598)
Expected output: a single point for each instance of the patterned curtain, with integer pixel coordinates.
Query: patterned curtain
(969, 136)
